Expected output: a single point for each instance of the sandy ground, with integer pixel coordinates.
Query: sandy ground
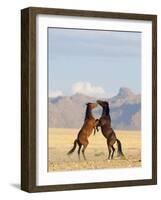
(60, 141)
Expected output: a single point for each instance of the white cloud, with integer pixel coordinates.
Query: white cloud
(88, 89)
(56, 93)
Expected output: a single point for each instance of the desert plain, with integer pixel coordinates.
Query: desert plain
(60, 141)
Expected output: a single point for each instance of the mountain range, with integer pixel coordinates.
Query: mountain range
(69, 111)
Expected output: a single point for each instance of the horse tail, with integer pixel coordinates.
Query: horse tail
(74, 147)
(119, 146)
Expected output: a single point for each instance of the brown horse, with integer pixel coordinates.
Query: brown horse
(85, 131)
(105, 124)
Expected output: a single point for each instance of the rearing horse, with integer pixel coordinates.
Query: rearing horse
(85, 131)
(105, 124)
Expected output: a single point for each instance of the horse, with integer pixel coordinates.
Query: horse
(105, 123)
(85, 131)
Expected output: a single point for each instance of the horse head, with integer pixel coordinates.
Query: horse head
(91, 105)
(103, 104)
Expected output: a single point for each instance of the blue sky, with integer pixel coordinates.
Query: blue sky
(96, 63)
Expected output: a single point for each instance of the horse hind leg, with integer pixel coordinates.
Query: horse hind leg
(83, 150)
(111, 143)
(79, 149)
(109, 151)
(113, 151)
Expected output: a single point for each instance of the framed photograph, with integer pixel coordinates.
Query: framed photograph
(88, 99)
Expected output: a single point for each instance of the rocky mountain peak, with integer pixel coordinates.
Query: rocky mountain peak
(125, 92)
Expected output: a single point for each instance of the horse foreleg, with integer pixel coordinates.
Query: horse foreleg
(96, 126)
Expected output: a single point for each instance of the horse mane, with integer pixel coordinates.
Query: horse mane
(88, 114)
(106, 111)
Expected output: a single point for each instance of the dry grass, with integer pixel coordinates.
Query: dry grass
(60, 141)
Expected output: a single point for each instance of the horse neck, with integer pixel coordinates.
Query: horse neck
(105, 112)
(88, 113)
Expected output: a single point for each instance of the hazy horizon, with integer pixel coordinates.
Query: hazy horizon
(88, 95)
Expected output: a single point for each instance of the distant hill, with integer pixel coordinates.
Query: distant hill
(69, 111)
